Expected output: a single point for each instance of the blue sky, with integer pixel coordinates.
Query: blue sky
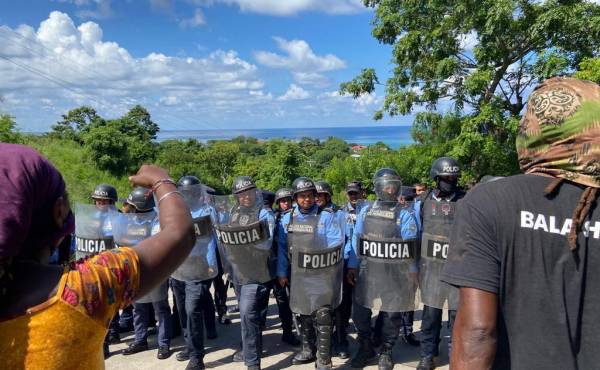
(194, 64)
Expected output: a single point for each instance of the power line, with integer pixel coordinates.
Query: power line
(84, 69)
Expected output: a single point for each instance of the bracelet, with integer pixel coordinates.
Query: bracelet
(160, 182)
(166, 195)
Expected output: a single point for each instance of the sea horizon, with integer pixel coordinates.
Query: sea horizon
(393, 136)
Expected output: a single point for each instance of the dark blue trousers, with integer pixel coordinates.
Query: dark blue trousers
(431, 328)
(390, 324)
(253, 301)
(141, 317)
(194, 304)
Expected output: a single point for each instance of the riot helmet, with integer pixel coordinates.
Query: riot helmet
(187, 181)
(445, 172)
(387, 184)
(285, 195)
(141, 199)
(302, 185)
(105, 191)
(444, 166)
(242, 183)
(323, 193)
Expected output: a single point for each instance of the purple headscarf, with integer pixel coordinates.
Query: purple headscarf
(29, 187)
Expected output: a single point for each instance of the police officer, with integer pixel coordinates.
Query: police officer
(342, 313)
(105, 196)
(438, 208)
(244, 231)
(191, 281)
(142, 202)
(283, 200)
(313, 237)
(382, 266)
(280, 293)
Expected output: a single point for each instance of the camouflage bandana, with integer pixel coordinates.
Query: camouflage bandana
(559, 134)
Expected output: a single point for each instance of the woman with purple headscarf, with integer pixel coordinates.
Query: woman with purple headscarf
(54, 317)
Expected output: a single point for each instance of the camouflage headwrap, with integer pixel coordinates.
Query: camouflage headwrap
(560, 132)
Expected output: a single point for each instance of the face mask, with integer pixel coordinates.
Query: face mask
(447, 187)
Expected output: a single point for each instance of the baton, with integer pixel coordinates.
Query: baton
(294, 318)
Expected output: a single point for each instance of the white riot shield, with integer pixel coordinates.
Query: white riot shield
(387, 250)
(438, 217)
(243, 238)
(93, 229)
(129, 229)
(201, 264)
(316, 250)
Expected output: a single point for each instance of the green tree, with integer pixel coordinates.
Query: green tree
(108, 149)
(8, 130)
(76, 122)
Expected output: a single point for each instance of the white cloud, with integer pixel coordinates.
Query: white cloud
(73, 66)
(294, 92)
(300, 58)
(469, 40)
(291, 7)
(195, 21)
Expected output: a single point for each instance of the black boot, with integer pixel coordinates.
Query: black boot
(324, 330)
(340, 339)
(307, 353)
(385, 357)
(364, 355)
(426, 363)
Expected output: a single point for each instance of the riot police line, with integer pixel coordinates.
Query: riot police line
(381, 255)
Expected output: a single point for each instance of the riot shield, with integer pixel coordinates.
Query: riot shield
(93, 229)
(386, 243)
(129, 229)
(316, 250)
(438, 217)
(243, 230)
(201, 264)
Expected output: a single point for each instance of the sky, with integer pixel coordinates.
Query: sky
(194, 64)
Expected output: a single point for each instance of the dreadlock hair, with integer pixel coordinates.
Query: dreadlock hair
(587, 199)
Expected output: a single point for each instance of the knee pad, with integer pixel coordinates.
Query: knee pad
(323, 316)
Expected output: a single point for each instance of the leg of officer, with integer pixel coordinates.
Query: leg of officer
(309, 338)
(362, 320)
(391, 322)
(251, 300)
(126, 319)
(195, 293)
(165, 327)
(431, 325)
(324, 320)
(208, 307)
(178, 288)
(285, 314)
(141, 313)
(408, 319)
(342, 317)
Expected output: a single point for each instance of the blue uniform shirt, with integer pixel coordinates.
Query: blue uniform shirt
(408, 227)
(328, 226)
(211, 256)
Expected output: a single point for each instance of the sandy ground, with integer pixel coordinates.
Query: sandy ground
(276, 355)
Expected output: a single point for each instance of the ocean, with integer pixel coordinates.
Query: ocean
(393, 136)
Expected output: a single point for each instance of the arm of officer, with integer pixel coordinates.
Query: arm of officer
(334, 232)
(409, 230)
(282, 252)
(474, 335)
(348, 235)
(352, 252)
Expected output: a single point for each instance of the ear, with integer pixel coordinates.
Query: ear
(60, 211)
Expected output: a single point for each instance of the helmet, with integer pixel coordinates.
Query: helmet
(242, 183)
(105, 191)
(444, 166)
(383, 178)
(323, 187)
(303, 184)
(187, 181)
(283, 193)
(141, 199)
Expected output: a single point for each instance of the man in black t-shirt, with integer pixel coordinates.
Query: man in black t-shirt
(526, 249)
